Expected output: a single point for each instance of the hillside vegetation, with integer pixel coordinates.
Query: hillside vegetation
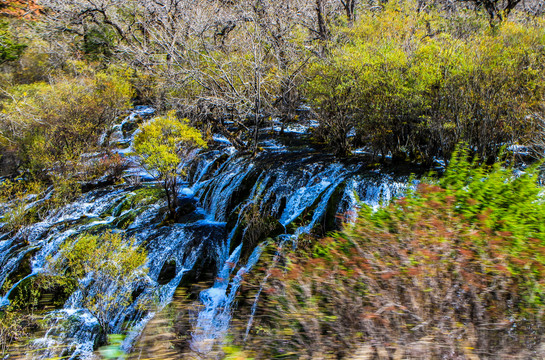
(453, 270)
(405, 79)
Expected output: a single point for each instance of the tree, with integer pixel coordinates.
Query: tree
(161, 145)
(111, 261)
(212, 61)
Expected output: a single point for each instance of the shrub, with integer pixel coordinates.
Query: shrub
(10, 48)
(14, 327)
(111, 261)
(18, 196)
(35, 64)
(98, 42)
(414, 84)
(106, 167)
(454, 269)
(162, 145)
(51, 125)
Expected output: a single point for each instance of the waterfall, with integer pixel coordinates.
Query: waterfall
(300, 189)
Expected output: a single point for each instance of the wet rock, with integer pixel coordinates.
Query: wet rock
(137, 292)
(251, 228)
(217, 163)
(129, 127)
(186, 206)
(125, 220)
(98, 184)
(209, 236)
(244, 189)
(168, 272)
(270, 228)
(331, 220)
(23, 269)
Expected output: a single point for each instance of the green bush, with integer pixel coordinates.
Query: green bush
(10, 48)
(19, 195)
(161, 145)
(35, 64)
(14, 327)
(99, 42)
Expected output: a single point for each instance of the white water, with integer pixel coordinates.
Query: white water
(299, 189)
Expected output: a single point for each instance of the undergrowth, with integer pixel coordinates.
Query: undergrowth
(453, 270)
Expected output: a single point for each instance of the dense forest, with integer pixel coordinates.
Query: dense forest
(258, 179)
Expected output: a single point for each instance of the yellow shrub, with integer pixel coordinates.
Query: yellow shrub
(52, 124)
(409, 83)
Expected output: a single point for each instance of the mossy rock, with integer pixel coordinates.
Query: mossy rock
(331, 221)
(88, 220)
(126, 219)
(272, 226)
(124, 205)
(99, 228)
(42, 292)
(139, 197)
(248, 246)
(114, 208)
(147, 195)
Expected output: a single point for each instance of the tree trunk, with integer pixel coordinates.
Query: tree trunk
(494, 10)
(174, 194)
(169, 185)
(350, 9)
(320, 18)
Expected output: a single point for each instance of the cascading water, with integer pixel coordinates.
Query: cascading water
(301, 190)
(287, 189)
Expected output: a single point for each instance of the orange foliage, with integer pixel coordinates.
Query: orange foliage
(21, 9)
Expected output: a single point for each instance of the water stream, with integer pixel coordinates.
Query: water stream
(300, 189)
